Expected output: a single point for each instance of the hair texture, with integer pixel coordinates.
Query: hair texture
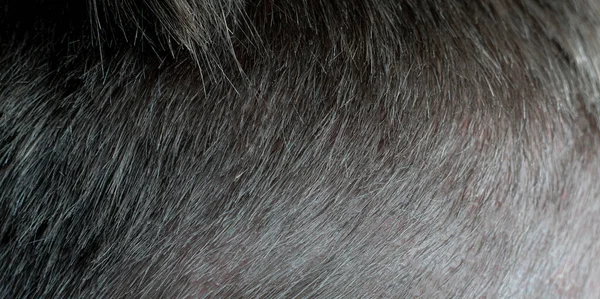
(299, 149)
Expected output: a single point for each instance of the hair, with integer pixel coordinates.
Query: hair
(315, 148)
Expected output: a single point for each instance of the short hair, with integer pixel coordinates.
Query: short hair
(317, 148)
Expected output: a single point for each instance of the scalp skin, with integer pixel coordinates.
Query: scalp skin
(310, 149)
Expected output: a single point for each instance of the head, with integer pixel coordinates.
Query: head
(328, 149)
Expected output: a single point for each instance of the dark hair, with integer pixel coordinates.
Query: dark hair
(315, 148)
